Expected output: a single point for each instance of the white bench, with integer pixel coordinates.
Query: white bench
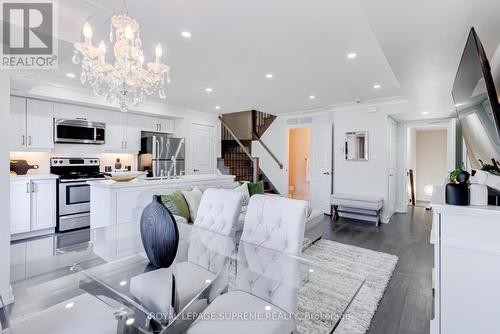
(363, 207)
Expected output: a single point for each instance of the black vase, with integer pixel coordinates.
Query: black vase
(457, 194)
(159, 233)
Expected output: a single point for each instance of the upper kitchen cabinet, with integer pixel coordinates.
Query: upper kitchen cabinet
(31, 123)
(17, 123)
(39, 124)
(156, 124)
(123, 132)
(69, 111)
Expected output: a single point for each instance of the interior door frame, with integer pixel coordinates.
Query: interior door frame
(402, 184)
(287, 150)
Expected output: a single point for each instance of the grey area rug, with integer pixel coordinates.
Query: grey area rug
(329, 295)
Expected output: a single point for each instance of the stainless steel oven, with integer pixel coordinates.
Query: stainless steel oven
(73, 193)
(77, 131)
(74, 204)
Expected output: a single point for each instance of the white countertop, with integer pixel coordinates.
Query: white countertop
(137, 183)
(33, 177)
(438, 204)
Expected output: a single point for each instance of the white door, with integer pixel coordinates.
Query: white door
(17, 123)
(43, 204)
(391, 196)
(114, 131)
(321, 166)
(20, 203)
(202, 146)
(39, 124)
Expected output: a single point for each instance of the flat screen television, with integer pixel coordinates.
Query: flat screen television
(476, 103)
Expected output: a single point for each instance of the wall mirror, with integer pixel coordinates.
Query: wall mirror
(356, 145)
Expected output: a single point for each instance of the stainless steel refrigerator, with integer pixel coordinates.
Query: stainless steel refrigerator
(158, 150)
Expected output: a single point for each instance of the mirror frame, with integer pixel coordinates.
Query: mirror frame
(346, 151)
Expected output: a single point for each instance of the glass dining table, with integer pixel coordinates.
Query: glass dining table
(105, 284)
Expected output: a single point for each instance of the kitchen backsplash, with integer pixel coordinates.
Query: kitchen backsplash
(43, 159)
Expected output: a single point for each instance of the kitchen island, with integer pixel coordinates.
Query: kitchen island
(114, 202)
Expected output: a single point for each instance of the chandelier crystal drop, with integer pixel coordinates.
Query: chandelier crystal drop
(127, 80)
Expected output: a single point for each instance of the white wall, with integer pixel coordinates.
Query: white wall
(362, 177)
(431, 161)
(4, 188)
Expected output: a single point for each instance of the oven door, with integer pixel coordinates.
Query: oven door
(74, 197)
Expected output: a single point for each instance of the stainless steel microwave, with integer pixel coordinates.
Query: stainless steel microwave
(77, 131)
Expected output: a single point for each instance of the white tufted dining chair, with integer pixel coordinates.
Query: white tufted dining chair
(267, 277)
(212, 242)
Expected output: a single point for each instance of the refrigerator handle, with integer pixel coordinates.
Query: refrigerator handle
(155, 147)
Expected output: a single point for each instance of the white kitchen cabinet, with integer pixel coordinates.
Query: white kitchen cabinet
(31, 124)
(32, 205)
(123, 132)
(17, 123)
(43, 204)
(20, 204)
(157, 124)
(133, 133)
(39, 124)
(69, 111)
(115, 122)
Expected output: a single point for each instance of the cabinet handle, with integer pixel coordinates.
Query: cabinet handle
(126, 144)
(28, 187)
(33, 187)
(23, 140)
(160, 126)
(29, 140)
(122, 144)
(196, 170)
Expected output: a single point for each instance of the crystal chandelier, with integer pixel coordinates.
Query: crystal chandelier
(126, 81)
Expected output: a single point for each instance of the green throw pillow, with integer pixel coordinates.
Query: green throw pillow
(177, 204)
(255, 188)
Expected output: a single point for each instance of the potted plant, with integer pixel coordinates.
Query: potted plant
(457, 191)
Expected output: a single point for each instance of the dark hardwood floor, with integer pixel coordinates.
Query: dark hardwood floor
(407, 305)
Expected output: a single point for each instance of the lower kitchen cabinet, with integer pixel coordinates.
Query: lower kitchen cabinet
(32, 205)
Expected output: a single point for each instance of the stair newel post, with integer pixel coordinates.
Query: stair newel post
(255, 169)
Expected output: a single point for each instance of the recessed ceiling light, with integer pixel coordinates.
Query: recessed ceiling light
(123, 283)
(352, 55)
(269, 75)
(70, 75)
(312, 97)
(268, 308)
(186, 34)
(208, 281)
(69, 305)
(217, 107)
(425, 113)
(208, 90)
(377, 86)
(130, 321)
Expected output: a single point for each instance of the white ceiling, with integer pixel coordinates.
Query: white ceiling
(411, 49)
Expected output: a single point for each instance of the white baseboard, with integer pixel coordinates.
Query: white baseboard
(7, 296)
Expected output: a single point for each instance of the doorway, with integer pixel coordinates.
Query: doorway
(427, 162)
(299, 159)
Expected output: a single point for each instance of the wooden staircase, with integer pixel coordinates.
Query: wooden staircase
(235, 161)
